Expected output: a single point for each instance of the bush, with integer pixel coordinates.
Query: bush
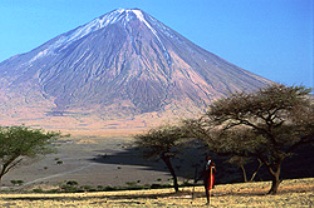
(17, 182)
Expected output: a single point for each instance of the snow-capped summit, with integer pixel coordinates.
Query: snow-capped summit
(120, 17)
(124, 64)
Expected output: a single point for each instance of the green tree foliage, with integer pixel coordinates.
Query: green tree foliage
(20, 142)
(162, 142)
(267, 125)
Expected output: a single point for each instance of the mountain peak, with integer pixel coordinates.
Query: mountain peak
(122, 65)
(123, 16)
(120, 15)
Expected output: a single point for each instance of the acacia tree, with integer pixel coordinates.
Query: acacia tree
(267, 125)
(163, 142)
(20, 142)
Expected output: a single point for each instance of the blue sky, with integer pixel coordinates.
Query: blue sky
(272, 38)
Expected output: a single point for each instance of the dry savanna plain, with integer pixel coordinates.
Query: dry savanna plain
(111, 161)
(292, 193)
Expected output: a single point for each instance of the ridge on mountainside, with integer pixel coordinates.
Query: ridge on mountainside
(124, 65)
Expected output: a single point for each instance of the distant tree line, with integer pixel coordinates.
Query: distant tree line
(266, 126)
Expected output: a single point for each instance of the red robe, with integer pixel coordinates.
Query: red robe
(209, 179)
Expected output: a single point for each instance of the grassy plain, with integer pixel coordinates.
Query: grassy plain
(296, 193)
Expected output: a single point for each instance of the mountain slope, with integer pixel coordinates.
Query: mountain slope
(121, 65)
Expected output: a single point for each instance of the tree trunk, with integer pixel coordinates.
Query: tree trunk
(243, 173)
(8, 165)
(256, 171)
(275, 173)
(167, 161)
(3, 171)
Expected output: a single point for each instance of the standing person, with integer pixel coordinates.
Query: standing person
(209, 177)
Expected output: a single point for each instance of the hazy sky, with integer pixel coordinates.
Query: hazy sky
(272, 38)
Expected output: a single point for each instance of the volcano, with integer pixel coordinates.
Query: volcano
(123, 70)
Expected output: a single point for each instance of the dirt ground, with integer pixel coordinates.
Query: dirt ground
(89, 160)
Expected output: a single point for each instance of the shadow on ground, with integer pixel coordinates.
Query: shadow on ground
(189, 162)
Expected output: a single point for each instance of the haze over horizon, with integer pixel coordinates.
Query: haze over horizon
(273, 39)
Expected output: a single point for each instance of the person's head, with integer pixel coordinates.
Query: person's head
(208, 157)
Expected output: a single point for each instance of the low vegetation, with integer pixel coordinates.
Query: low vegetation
(74, 187)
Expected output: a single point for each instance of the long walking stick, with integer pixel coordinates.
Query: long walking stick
(195, 181)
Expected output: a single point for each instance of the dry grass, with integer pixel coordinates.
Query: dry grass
(292, 193)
